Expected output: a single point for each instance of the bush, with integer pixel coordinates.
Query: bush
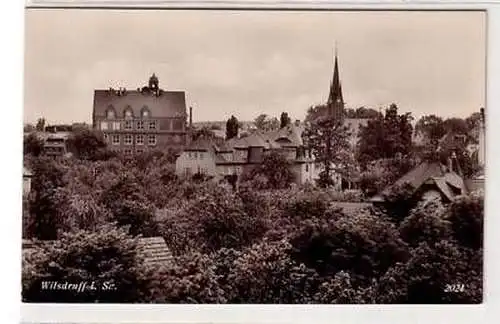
(106, 256)
(466, 216)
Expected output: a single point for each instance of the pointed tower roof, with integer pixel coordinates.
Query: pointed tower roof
(335, 86)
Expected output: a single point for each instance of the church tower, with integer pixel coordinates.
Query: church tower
(335, 103)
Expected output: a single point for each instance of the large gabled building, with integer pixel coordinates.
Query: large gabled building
(137, 120)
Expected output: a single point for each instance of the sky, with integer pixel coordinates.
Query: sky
(245, 63)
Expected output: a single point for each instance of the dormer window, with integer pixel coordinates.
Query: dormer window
(110, 113)
(128, 113)
(145, 112)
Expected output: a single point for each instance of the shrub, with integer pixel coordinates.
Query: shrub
(106, 256)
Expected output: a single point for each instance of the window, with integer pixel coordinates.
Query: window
(140, 124)
(177, 124)
(104, 125)
(152, 140)
(128, 113)
(195, 155)
(127, 151)
(139, 139)
(105, 137)
(116, 139)
(201, 155)
(116, 125)
(187, 171)
(110, 113)
(128, 124)
(127, 139)
(307, 167)
(152, 124)
(139, 151)
(145, 112)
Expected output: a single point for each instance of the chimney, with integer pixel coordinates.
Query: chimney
(190, 117)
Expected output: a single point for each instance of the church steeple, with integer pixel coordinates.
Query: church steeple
(335, 98)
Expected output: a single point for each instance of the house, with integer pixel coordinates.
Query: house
(27, 176)
(238, 155)
(137, 120)
(56, 144)
(428, 180)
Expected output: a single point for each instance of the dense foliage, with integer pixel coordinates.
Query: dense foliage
(277, 243)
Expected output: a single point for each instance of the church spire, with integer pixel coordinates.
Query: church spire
(335, 98)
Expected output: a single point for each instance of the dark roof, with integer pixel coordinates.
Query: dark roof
(201, 144)
(425, 171)
(167, 104)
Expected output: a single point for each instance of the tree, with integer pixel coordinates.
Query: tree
(275, 168)
(203, 132)
(232, 127)
(33, 145)
(87, 144)
(456, 125)
(328, 141)
(385, 136)
(431, 127)
(40, 124)
(28, 128)
(47, 178)
(265, 123)
(285, 120)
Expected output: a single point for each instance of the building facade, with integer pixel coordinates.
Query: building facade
(239, 155)
(142, 119)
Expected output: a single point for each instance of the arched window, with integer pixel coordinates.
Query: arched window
(128, 113)
(145, 113)
(110, 112)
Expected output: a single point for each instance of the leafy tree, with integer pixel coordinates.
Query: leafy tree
(232, 127)
(275, 168)
(47, 178)
(187, 279)
(456, 125)
(428, 273)
(40, 124)
(426, 224)
(431, 127)
(385, 136)
(328, 140)
(33, 145)
(363, 244)
(203, 132)
(129, 207)
(28, 128)
(87, 144)
(265, 273)
(361, 113)
(265, 123)
(106, 256)
(466, 216)
(285, 120)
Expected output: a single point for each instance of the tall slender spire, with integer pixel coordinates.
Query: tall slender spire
(335, 98)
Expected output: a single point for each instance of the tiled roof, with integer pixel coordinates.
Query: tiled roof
(168, 104)
(423, 172)
(153, 250)
(201, 144)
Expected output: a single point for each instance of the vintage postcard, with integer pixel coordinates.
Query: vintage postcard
(254, 156)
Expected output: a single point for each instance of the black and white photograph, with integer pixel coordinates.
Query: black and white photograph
(253, 156)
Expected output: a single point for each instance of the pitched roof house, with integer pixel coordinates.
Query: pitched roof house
(236, 155)
(428, 178)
